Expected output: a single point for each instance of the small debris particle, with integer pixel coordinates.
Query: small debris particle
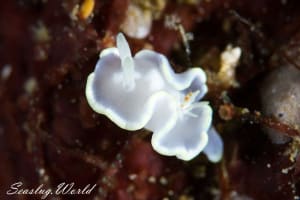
(130, 188)
(132, 177)
(245, 111)
(45, 178)
(74, 12)
(6, 72)
(41, 171)
(285, 171)
(138, 22)
(152, 179)
(41, 33)
(31, 85)
(170, 192)
(172, 21)
(235, 195)
(229, 61)
(293, 150)
(226, 112)
(163, 180)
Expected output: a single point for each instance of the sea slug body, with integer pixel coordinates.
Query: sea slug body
(144, 92)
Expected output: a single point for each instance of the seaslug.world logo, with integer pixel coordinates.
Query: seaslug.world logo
(63, 188)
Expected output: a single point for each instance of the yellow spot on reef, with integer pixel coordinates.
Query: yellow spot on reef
(86, 8)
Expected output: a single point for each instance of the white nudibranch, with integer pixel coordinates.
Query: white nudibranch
(144, 92)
